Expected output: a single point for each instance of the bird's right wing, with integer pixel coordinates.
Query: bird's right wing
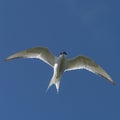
(82, 62)
(37, 52)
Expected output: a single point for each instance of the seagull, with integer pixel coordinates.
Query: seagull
(61, 64)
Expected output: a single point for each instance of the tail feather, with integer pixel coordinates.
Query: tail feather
(56, 82)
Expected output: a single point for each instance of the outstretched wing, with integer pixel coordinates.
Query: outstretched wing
(82, 62)
(37, 52)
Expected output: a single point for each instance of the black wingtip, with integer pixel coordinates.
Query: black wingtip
(5, 60)
(8, 59)
(113, 83)
(11, 58)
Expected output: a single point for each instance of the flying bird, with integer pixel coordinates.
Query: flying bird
(61, 64)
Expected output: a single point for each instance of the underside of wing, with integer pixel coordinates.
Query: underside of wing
(37, 52)
(82, 62)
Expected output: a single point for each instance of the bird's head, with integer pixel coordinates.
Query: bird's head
(63, 53)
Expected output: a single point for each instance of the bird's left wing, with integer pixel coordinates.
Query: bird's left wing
(82, 62)
(37, 52)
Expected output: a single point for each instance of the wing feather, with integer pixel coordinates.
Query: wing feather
(37, 52)
(82, 62)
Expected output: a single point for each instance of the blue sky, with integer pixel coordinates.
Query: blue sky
(79, 27)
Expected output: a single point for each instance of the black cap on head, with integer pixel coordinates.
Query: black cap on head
(63, 53)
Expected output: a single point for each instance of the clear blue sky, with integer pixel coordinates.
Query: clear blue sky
(87, 27)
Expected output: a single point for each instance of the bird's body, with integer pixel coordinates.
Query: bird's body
(61, 64)
(59, 67)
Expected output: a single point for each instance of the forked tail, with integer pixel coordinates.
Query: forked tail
(56, 82)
